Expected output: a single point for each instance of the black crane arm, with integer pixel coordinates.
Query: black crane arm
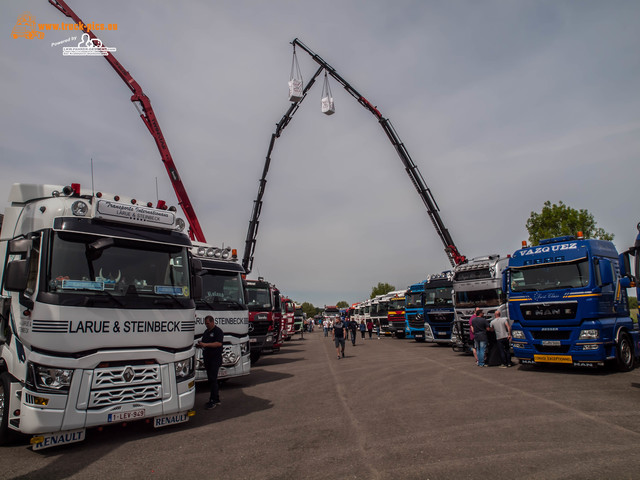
(454, 256)
(252, 232)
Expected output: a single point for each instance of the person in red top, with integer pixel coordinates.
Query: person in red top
(370, 328)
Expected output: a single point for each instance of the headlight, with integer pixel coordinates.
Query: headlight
(244, 348)
(184, 369)
(229, 357)
(517, 334)
(591, 334)
(180, 224)
(79, 208)
(49, 378)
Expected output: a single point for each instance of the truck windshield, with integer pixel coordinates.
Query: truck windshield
(221, 291)
(438, 297)
(478, 298)
(414, 299)
(258, 298)
(110, 272)
(396, 304)
(551, 276)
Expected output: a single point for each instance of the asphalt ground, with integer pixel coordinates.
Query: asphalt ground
(392, 409)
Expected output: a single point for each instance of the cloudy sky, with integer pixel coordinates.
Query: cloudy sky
(502, 104)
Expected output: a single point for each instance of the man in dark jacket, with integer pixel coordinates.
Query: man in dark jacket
(211, 343)
(479, 327)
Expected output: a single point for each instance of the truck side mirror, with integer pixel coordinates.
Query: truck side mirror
(606, 272)
(625, 264)
(20, 246)
(196, 287)
(196, 266)
(16, 275)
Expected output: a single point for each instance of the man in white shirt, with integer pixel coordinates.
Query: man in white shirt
(502, 328)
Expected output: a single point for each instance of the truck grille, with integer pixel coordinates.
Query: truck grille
(441, 317)
(554, 335)
(105, 398)
(553, 349)
(260, 327)
(549, 311)
(125, 384)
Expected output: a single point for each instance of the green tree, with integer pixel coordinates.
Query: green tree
(633, 307)
(342, 304)
(381, 289)
(309, 309)
(558, 220)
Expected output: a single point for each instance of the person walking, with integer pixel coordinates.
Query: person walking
(325, 326)
(370, 328)
(338, 334)
(378, 329)
(479, 327)
(353, 328)
(363, 328)
(211, 343)
(501, 326)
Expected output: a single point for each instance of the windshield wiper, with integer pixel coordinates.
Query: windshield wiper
(168, 297)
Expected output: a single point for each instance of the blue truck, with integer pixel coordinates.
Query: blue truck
(429, 309)
(568, 304)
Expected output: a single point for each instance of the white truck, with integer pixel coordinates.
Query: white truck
(97, 314)
(477, 283)
(223, 298)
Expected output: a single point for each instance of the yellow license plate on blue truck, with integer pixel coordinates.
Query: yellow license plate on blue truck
(553, 358)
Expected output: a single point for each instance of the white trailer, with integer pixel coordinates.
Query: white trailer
(98, 314)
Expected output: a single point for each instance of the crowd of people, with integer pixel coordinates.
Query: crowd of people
(479, 328)
(342, 329)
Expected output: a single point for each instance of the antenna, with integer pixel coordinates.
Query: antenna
(157, 194)
(92, 189)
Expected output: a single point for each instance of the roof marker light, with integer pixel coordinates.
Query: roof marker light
(133, 201)
(116, 198)
(580, 236)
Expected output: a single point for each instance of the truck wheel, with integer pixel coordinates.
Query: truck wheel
(7, 435)
(624, 353)
(254, 356)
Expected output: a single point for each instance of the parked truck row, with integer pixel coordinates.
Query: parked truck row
(566, 300)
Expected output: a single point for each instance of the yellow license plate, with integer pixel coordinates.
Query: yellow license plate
(553, 358)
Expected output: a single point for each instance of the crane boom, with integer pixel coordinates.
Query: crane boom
(143, 105)
(411, 168)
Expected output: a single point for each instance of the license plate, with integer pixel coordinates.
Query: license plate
(47, 440)
(124, 416)
(553, 358)
(442, 334)
(166, 420)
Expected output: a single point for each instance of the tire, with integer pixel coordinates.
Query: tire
(7, 436)
(254, 356)
(624, 353)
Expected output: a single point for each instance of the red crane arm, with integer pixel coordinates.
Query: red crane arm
(143, 105)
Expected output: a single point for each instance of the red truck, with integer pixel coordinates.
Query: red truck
(265, 317)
